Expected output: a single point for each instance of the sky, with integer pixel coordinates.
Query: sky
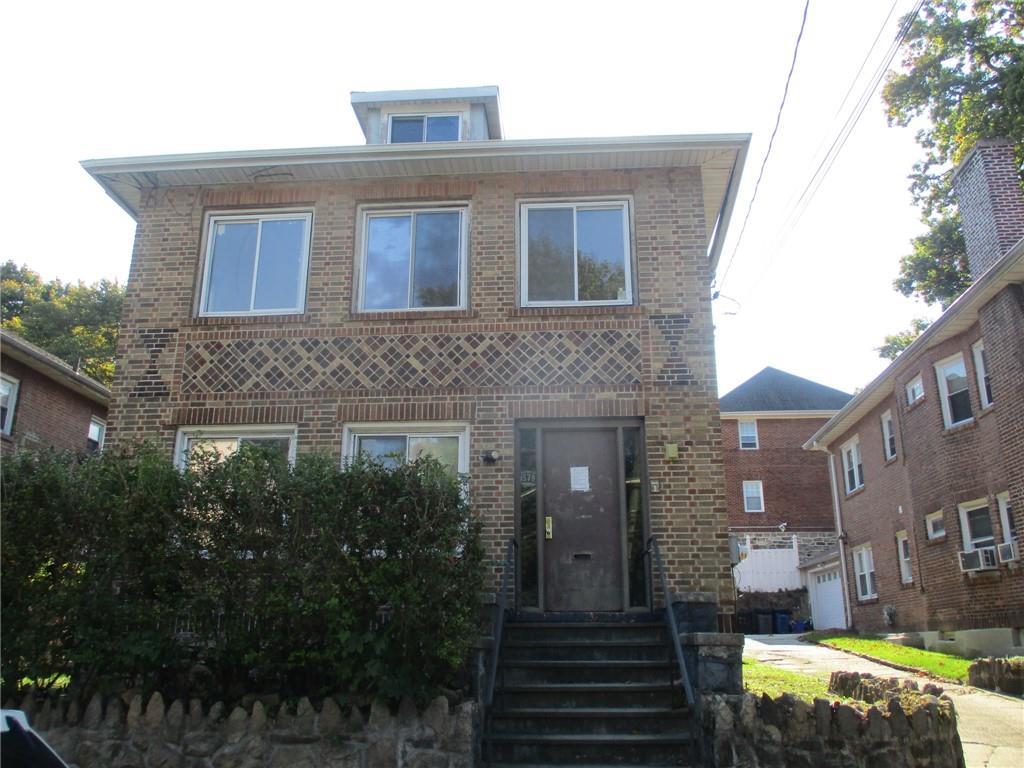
(810, 294)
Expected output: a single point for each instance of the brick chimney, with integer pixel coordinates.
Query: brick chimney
(987, 185)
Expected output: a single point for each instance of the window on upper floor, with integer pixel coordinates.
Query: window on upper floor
(976, 525)
(888, 435)
(256, 263)
(8, 402)
(748, 435)
(915, 390)
(903, 555)
(853, 468)
(935, 525)
(396, 442)
(981, 369)
(414, 259)
(97, 434)
(575, 253)
(408, 129)
(953, 391)
(753, 496)
(1006, 517)
(226, 440)
(864, 568)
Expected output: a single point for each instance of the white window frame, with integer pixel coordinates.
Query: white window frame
(757, 442)
(12, 403)
(970, 542)
(903, 557)
(369, 212)
(460, 429)
(102, 424)
(854, 445)
(1005, 511)
(929, 525)
(423, 140)
(760, 495)
(860, 555)
(889, 436)
(259, 215)
(915, 389)
(981, 372)
(576, 204)
(237, 431)
(940, 376)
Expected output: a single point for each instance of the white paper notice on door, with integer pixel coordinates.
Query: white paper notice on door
(579, 479)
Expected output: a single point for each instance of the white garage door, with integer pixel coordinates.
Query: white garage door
(827, 600)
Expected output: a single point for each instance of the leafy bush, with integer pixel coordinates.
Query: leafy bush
(246, 574)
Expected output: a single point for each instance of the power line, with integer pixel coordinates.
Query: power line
(771, 141)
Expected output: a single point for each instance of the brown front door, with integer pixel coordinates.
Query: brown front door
(583, 558)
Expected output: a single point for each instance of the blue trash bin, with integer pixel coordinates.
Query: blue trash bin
(781, 622)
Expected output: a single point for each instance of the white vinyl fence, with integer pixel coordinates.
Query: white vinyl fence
(767, 570)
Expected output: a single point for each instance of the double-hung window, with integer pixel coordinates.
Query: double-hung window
(748, 435)
(953, 391)
(575, 253)
(915, 390)
(935, 525)
(976, 524)
(1006, 517)
(753, 496)
(97, 433)
(853, 468)
(903, 554)
(864, 568)
(408, 129)
(8, 402)
(888, 435)
(256, 263)
(414, 259)
(225, 441)
(981, 369)
(395, 443)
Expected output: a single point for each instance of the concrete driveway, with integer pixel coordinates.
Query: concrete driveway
(991, 725)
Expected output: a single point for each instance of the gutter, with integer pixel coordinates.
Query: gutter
(840, 538)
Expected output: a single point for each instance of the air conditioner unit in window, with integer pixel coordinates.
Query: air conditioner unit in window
(983, 559)
(1009, 551)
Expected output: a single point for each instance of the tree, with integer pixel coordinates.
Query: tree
(895, 343)
(78, 323)
(963, 72)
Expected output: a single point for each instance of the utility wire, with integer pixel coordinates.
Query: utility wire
(767, 154)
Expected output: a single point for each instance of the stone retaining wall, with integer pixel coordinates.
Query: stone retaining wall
(866, 687)
(908, 731)
(122, 733)
(1005, 675)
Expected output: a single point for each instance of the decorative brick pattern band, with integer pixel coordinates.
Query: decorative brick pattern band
(443, 410)
(242, 415)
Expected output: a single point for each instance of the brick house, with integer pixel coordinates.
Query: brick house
(535, 313)
(928, 460)
(46, 402)
(777, 496)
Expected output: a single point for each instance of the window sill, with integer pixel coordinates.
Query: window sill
(891, 460)
(233, 320)
(906, 585)
(855, 492)
(867, 600)
(416, 314)
(614, 309)
(961, 427)
(988, 575)
(931, 542)
(916, 404)
(986, 410)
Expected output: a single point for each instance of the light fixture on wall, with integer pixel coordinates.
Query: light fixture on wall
(491, 457)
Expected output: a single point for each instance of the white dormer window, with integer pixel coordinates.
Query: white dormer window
(409, 129)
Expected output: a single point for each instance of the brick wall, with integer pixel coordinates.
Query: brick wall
(795, 481)
(654, 360)
(935, 468)
(47, 413)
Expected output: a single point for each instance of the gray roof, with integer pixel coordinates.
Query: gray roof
(775, 390)
(51, 366)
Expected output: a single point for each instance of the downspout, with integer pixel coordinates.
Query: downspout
(840, 537)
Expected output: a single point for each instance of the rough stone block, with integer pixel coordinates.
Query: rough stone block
(382, 754)
(304, 723)
(201, 743)
(154, 711)
(407, 714)
(847, 721)
(426, 759)
(258, 721)
(236, 726)
(93, 713)
(292, 757)
(195, 714)
(134, 717)
(380, 716)
(330, 722)
(162, 756)
(823, 717)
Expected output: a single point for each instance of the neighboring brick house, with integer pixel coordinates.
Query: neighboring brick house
(929, 457)
(777, 494)
(536, 313)
(45, 402)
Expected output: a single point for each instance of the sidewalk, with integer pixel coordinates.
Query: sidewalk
(991, 725)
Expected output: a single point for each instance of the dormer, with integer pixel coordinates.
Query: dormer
(432, 115)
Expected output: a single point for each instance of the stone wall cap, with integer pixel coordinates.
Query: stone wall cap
(694, 597)
(711, 638)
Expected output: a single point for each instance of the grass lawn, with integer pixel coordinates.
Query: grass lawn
(759, 678)
(938, 664)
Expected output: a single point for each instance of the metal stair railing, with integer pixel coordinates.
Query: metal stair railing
(501, 608)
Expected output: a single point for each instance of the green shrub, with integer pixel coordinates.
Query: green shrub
(246, 574)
